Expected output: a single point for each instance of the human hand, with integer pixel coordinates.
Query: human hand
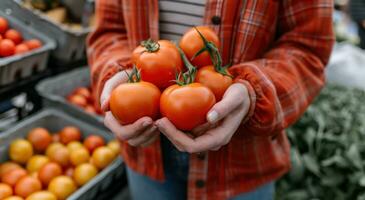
(141, 133)
(225, 118)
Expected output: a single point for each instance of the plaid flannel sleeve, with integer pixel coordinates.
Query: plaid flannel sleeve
(108, 50)
(284, 82)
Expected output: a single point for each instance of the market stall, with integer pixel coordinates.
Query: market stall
(53, 141)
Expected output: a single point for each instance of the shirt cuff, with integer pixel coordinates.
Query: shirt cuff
(252, 98)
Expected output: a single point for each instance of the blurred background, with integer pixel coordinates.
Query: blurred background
(328, 142)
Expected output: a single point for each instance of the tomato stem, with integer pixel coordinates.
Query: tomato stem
(150, 45)
(135, 76)
(188, 76)
(214, 54)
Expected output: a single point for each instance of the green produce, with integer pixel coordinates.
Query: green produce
(328, 149)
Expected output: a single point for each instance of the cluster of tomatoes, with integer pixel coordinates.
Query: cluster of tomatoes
(190, 76)
(52, 166)
(11, 41)
(83, 98)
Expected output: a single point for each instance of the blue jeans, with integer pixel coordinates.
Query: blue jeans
(176, 166)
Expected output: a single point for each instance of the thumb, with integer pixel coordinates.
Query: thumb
(233, 97)
(113, 82)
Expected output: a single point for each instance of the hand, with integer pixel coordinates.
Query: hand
(226, 115)
(141, 133)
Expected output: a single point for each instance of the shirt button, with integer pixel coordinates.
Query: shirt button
(216, 20)
(201, 156)
(200, 183)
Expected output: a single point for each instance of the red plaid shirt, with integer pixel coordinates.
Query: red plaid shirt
(279, 50)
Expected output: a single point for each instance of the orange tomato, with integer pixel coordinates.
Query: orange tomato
(84, 173)
(33, 44)
(7, 167)
(74, 145)
(5, 191)
(13, 198)
(132, 101)
(216, 82)
(62, 187)
(40, 138)
(187, 106)
(21, 48)
(102, 157)
(36, 162)
(93, 141)
(48, 172)
(191, 43)
(60, 156)
(53, 147)
(27, 185)
(12, 177)
(90, 109)
(114, 146)
(42, 195)
(158, 62)
(7, 48)
(69, 134)
(13, 35)
(78, 100)
(79, 156)
(20, 151)
(3, 25)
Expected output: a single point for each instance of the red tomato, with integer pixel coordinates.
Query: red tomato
(216, 82)
(191, 43)
(131, 101)
(33, 44)
(78, 100)
(1, 37)
(187, 106)
(21, 48)
(158, 62)
(83, 91)
(3, 25)
(13, 35)
(93, 141)
(7, 48)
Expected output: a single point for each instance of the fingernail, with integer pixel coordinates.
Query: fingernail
(146, 123)
(212, 117)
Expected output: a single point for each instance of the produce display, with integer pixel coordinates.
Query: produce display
(328, 150)
(57, 12)
(83, 98)
(181, 82)
(12, 41)
(53, 166)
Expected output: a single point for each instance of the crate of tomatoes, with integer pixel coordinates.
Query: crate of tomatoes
(180, 82)
(52, 155)
(56, 20)
(23, 50)
(71, 92)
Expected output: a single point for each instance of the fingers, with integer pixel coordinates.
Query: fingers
(144, 137)
(213, 139)
(178, 138)
(128, 131)
(233, 97)
(117, 79)
(201, 129)
(185, 143)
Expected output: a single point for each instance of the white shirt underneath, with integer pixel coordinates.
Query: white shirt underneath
(177, 16)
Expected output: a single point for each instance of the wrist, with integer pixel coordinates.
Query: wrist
(250, 100)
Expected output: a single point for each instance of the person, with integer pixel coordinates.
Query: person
(279, 51)
(357, 11)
